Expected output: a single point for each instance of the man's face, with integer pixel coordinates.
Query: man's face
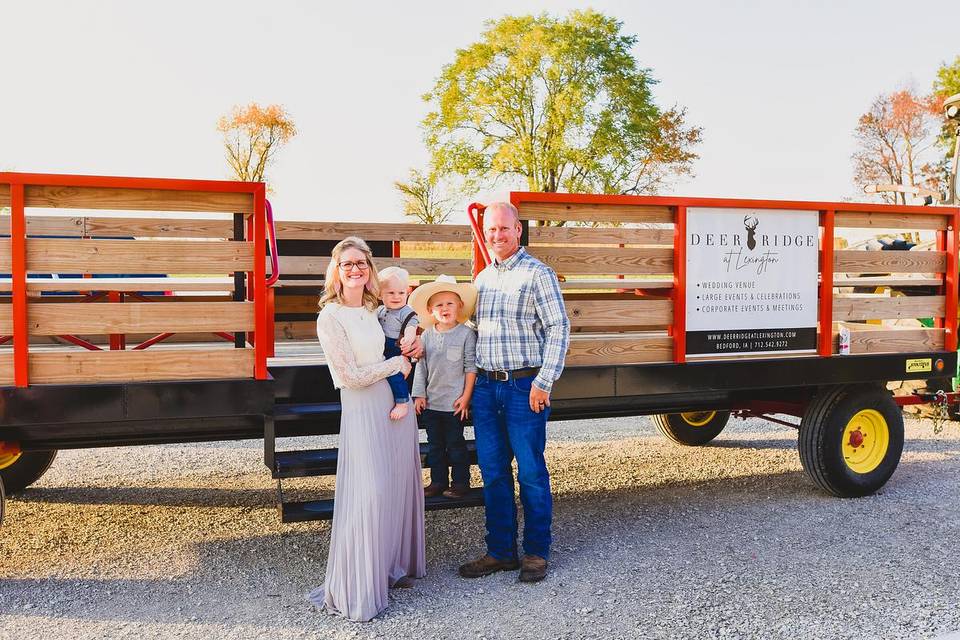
(502, 233)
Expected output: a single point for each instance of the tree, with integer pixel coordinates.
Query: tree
(424, 198)
(947, 84)
(252, 135)
(561, 104)
(895, 140)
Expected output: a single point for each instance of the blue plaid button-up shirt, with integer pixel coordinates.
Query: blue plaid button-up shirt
(521, 319)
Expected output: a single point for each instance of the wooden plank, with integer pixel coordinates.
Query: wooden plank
(588, 235)
(298, 330)
(158, 227)
(134, 256)
(610, 314)
(859, 220)
(613, 283)
(59, 367)
(317, 265)
(884, 308)
(887, 281)
(853, 261)
(47, 226)
(595, 212)
(123, 284)
(132, 199)
(309, 230)
(575, 260)
(137, 317)
(896, 340)
(622, 349)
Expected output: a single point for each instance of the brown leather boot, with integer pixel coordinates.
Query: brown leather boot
(485, 566)
(458, 491)
(433, 489)
(533, 569)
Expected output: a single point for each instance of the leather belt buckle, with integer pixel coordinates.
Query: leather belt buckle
(497, 376)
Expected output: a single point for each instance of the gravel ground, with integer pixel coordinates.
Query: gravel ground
(652, 540)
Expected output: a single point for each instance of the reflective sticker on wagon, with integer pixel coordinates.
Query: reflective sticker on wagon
(919, 365)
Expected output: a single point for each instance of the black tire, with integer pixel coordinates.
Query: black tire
(26, 470)
(693, 428)
(851, 471)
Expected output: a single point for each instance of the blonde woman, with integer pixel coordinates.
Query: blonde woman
(377, 540)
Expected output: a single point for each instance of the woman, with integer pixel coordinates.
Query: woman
(377, 537)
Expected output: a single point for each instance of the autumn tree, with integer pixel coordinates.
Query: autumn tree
(559, 104)
(252, 136)
(895, 144)
(425, 198)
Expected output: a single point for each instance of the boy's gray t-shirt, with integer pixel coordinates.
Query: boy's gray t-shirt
(447, 356)
(392, 319)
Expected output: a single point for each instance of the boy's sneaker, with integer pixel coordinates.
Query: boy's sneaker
(458, 491)
(433, 489)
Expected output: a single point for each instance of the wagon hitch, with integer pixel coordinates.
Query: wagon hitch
(941, 402)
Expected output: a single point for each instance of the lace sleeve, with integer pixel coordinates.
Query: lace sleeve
(339, 355)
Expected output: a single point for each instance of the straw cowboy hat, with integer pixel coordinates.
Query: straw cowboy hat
(422, 294)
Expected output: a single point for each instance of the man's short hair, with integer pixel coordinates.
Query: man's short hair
(504, 206)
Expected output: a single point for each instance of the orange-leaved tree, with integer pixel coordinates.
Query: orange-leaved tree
(896, 143)
(252, 135)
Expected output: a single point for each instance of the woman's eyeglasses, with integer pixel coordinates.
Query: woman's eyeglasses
(348, 266)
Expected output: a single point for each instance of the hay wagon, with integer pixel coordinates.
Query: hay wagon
(686, 309)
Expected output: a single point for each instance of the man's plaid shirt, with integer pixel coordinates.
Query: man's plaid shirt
(521, 319)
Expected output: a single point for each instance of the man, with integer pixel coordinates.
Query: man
(523, 332)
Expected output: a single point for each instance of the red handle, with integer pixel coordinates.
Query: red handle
(478, 242)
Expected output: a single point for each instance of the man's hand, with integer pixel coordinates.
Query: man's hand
(414, 349)
(539, 399)
(419, 404)
(461, 406)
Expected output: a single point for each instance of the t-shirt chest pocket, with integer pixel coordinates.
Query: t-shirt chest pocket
(453, 354)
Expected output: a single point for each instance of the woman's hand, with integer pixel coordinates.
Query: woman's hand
(413, 348)
(405, 367)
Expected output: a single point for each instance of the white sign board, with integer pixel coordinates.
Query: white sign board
(751, 281)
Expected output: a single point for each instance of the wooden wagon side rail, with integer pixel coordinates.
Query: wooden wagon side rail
(94, 245)
(640, 252)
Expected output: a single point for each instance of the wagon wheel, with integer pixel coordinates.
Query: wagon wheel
(19, 469)
(693, 427)
(851, 439)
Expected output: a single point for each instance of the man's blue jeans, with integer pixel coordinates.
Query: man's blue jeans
(505, 427)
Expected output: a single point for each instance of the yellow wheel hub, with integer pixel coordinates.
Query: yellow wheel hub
(698, 418)
(865, 441)
(9, 453)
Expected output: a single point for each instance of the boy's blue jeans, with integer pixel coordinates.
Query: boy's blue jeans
(398, 384)
(446, 448)
(505, 428)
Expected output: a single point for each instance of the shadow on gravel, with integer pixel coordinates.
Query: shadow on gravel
(152, 496)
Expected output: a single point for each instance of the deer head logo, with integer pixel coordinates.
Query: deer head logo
(750, 224)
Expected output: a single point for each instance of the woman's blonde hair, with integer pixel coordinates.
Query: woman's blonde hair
(333, 285)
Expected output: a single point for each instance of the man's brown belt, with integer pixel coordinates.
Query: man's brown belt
(504, 376)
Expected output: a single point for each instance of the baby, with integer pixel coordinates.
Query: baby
(444, 379)
(399, 322)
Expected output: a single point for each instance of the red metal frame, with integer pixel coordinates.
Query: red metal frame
(481, 257)
(827, 219)
(825, 337)
(258, 291)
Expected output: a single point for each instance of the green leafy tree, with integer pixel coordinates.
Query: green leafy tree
(560, 104)
(945, 85)
(424, 198)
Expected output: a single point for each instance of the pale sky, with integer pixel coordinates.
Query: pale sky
(135, 89)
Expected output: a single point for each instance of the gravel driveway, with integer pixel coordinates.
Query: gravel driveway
(652, 540)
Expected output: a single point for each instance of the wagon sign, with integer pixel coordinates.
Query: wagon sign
(751, 281)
